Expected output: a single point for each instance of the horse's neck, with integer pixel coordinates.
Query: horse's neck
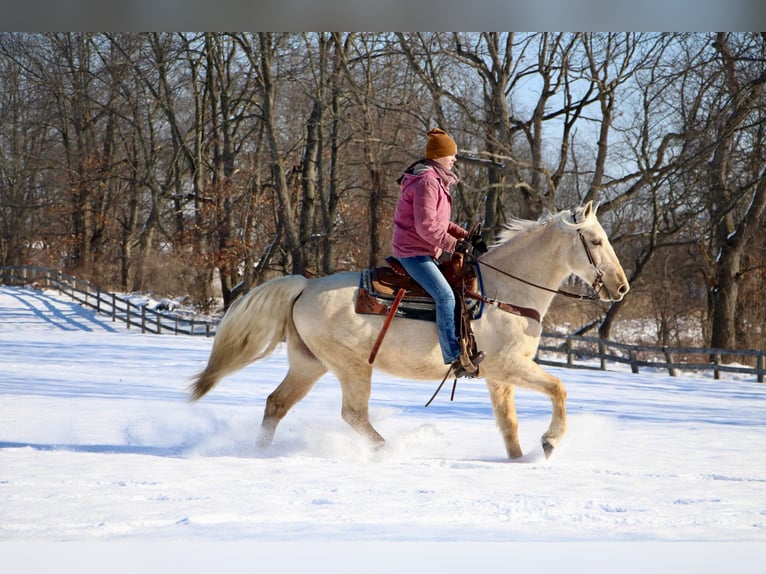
(536, 256)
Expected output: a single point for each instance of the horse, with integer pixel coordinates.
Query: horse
(317, 319)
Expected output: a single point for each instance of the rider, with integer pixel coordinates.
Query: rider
(423, 231)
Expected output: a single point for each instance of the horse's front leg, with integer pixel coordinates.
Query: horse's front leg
(552, 438)
(534, 377)
(504, 407)
(529, 375)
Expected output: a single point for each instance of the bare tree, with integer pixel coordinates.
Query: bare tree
(725, 123)
(262, 53)
(259, 154)
(737, 203)
(24, 196)
(513, 130)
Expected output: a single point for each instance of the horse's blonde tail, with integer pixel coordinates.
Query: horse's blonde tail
(250, 330)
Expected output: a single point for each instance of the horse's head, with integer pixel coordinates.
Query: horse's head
(592, 257)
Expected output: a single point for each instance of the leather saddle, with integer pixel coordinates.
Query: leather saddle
(379, 286)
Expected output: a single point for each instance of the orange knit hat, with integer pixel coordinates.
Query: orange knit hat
(439, 144)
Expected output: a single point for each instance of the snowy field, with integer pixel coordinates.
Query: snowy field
(100, 452)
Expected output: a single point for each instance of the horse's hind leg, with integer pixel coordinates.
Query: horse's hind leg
(356, 386)
(304, 371)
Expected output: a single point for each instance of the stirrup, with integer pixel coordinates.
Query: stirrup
(468, 366)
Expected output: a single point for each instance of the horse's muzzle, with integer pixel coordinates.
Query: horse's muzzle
(617, 294)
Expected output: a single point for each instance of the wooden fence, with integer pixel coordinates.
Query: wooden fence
(555, 349)
(594, 353)
(117, 307)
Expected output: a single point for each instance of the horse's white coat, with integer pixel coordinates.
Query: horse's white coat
(324, 333)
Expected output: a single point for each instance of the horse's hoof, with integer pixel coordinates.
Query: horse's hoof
(548, 448)
(377, 446)
(264, 441)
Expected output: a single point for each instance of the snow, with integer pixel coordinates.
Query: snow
(100, 450)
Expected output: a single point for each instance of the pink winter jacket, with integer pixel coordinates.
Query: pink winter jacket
(422, 223)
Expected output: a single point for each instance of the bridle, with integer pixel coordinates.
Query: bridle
(597, 284)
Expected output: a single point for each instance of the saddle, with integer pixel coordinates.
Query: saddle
(379, 287)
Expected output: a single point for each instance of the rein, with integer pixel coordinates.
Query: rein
(507, 307)
(596, 285)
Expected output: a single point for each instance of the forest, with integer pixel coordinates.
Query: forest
(201, 164)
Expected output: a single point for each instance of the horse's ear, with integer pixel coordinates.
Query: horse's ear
(587, 210)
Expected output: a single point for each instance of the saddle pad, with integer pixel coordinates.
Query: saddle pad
(378, 288)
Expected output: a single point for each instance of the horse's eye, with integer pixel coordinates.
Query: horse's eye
(596, 242)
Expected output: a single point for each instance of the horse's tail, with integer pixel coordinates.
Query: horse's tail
(250, 330)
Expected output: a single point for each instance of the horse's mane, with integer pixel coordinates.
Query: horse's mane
(567, 218)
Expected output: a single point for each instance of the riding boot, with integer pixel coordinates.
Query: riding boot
(466, 366)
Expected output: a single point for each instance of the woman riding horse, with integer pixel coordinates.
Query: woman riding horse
(423, 231)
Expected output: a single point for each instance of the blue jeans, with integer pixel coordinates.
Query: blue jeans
(424, 270)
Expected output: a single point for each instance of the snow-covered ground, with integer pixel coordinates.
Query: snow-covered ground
(99, 444)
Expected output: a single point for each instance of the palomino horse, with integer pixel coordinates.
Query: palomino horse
(323, 332)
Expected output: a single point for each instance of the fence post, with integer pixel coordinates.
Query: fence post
(633, 361)
(716, 364)
(759, 366)
(570, 355)
(669, 361)
(602, 353)
(143, 319)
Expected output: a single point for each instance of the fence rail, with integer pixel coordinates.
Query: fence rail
(594, 353)
(554, 350)
(117, 307)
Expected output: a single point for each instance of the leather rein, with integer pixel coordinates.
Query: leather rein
(597, 284)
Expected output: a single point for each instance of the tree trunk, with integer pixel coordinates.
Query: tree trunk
(286, 213)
